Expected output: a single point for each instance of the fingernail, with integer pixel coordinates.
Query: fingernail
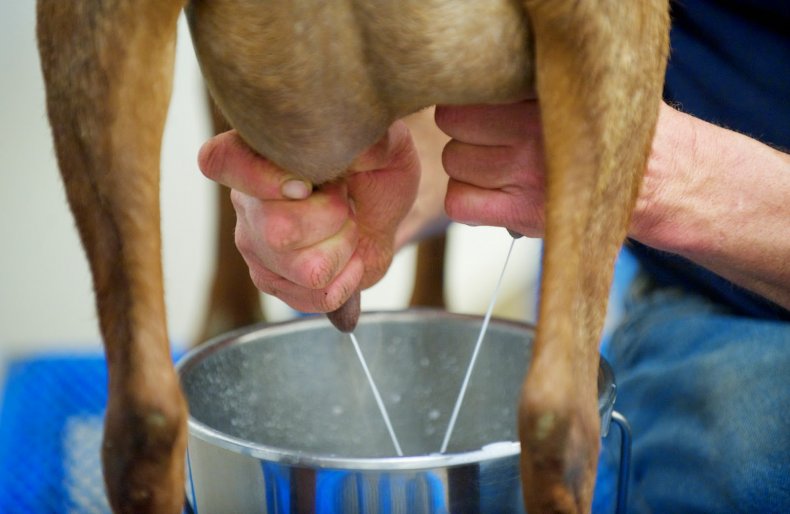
(296, 189)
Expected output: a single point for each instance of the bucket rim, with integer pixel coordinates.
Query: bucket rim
(253, 333)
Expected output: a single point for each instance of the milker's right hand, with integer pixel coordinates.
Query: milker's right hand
(313, 247)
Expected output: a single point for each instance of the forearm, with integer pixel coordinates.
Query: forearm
(721, 200)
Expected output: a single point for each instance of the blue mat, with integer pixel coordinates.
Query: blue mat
(50, 433)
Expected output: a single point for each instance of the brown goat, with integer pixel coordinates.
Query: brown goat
(310, 84)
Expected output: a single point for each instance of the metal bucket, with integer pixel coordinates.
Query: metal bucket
(283, 420)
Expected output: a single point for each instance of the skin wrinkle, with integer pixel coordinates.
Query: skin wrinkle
(319, 268)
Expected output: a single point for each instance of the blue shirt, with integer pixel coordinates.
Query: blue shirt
(729, 65)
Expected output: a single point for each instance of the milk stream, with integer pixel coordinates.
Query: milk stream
(376, 395)
(459, 401)
(475, 353)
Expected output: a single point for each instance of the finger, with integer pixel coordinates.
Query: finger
(227, 159)
(493, 167)
(489, 125)
(520, 211)
(313, 268)
(285, 226)
(305, 299)
(306, 245)
(317, 266)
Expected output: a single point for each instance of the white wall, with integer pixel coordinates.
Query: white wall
(45, 291)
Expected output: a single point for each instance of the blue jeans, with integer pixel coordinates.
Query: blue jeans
(707, 394)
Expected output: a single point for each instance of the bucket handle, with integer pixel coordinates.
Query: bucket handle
(623, 473)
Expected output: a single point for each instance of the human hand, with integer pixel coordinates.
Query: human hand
(496, 167)
(315, 247)
(711, 195)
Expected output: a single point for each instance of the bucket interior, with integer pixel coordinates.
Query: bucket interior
(299, 387)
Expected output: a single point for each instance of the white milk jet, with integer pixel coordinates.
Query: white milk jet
(376, 394)
(475, 353)
(465, 383)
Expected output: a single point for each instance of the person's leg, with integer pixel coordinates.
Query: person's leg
(708, 396)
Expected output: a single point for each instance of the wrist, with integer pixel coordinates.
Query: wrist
(719, 199)
(673, 206)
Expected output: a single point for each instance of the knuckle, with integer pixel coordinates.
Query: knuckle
(278, 231)
(280, 237)
(316, 268)
(321, 273)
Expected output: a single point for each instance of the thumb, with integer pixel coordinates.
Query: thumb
(227, 159)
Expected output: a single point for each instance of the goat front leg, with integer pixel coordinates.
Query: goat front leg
(108, 71)
(600, 68)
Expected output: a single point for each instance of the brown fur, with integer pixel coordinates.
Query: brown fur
(310, 84)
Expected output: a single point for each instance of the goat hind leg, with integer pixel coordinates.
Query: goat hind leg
(600, 68)
(108, 71)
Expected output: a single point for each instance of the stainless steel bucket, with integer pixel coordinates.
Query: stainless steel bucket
(282, 419)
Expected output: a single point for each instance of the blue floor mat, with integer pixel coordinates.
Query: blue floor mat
(50, 433)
